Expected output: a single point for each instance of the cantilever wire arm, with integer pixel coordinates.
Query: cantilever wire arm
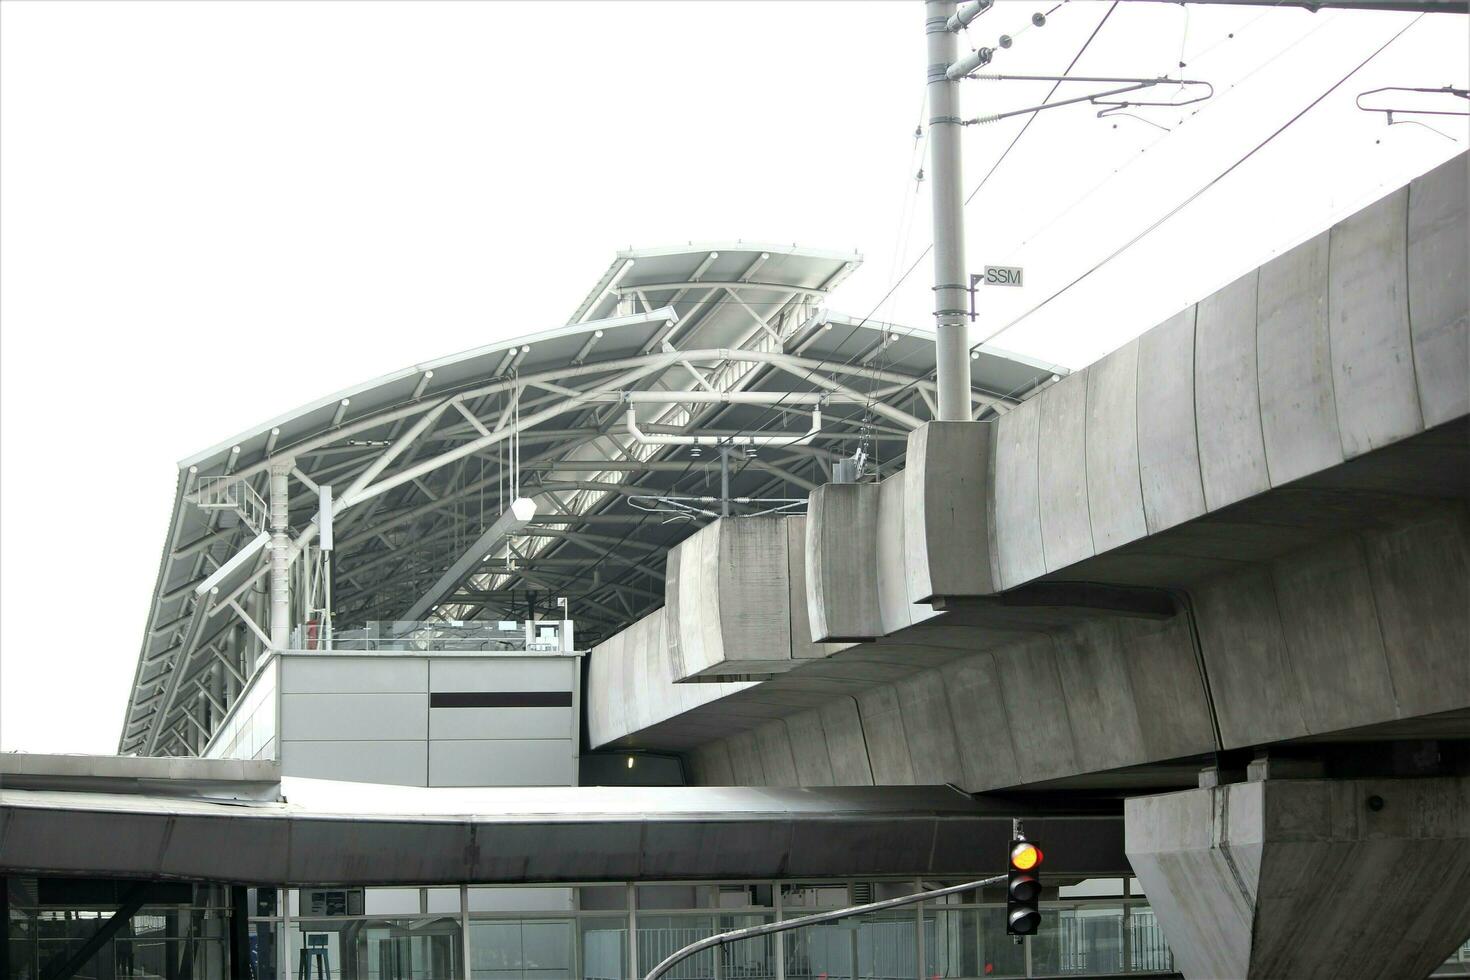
(1103, 98)
(1390, 110)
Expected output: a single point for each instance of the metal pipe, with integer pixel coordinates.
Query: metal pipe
(735, 440)
(280, 554)
(325, 542)
(766, 929)
(730, 397)
(724, 481)
(952, 345)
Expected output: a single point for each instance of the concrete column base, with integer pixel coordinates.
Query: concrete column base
(1305, 878)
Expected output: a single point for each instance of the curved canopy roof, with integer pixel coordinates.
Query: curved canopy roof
(424, 461)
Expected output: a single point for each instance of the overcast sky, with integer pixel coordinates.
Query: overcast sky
(211, 213)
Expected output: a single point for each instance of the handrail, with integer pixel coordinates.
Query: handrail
(750, 932)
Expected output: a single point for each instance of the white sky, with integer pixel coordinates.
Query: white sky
(211, 213)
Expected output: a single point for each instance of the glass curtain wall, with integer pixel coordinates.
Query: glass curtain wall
(607, 932)
(185, 934)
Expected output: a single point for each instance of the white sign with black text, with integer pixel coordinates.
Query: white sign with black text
(1003, 275)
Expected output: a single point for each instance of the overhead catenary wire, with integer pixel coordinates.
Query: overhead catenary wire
(983, 180)
(774, 412)
(978, 187)
(1162, 219)
(1049, 223)
(993, 334)
(887, 295)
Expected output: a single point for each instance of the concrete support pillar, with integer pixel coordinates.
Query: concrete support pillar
(280, 555)
(1307, 878)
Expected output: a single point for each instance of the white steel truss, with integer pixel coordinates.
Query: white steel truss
(419, 478)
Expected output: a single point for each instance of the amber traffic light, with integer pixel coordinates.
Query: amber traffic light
(1025, 855)
(1023, 888)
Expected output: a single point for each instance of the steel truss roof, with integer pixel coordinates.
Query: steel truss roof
(421, 461)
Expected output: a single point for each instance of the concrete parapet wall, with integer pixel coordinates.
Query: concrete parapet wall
(876, 553)
(729, 597)
(842, 566)
(1353, 340)
(736, 595)
(736, 605)
(947, 511)
(631, 687)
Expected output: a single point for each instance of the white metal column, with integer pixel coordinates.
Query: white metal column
(952, 346)
(464, 932)
(280, 554)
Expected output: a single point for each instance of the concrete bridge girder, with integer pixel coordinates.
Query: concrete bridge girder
(1232, 436)
(1284, 467)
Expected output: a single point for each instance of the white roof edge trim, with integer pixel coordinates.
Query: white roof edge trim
(1034, 362)
(927, 333)
(664, 314)
(833, 255)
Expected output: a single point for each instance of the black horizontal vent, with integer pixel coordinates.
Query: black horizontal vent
(501, 699)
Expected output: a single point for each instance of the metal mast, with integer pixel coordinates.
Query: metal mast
(952, 354)
(280, 555)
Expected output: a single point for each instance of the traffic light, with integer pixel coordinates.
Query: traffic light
(1023, 888)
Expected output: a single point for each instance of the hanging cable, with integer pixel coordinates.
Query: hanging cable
(1082, 198)
(774, 410)
(1185, 203)
(1022, 132)
(1213, 181)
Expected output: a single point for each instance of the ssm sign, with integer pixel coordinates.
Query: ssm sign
(1003, 275)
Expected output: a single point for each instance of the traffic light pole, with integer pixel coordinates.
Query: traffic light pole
(750, 932)
(952, 344)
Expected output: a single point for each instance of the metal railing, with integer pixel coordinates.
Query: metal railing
(232, 493)
(542, 636)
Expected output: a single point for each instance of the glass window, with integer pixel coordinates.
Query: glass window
(375, 949)
(52, 918)
(1085, 939)
(522, 949)
(520, 899)
(704, 896)
(249, 732)
(390, 901)
(600, 898)
(813, 897)
(262, 902)
(1093, 888)
(442, 900)
(750, 959)
(823, 952)
(970, 943)
(887, 944)
(263, 938)
(1146, 945)
(604, 947)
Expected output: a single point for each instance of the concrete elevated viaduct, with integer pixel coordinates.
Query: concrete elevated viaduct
(1228, 561)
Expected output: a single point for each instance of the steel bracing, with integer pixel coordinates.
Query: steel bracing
(728, 344)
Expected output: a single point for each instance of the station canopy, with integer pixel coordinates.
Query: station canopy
(733, 343)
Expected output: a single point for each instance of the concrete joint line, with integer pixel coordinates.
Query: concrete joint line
(1222, 836)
